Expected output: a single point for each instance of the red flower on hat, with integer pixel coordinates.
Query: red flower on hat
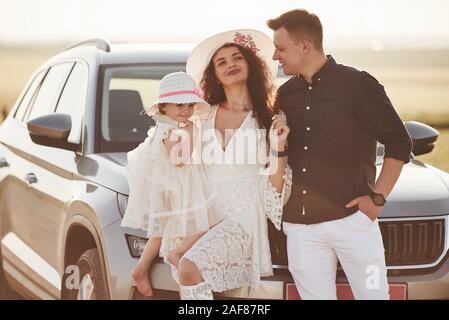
(245, 41)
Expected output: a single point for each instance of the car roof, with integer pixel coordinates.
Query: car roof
(128, 53)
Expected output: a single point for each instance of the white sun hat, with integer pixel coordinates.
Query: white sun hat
(257, 41)
(179, 87)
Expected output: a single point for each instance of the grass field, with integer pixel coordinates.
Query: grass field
(417, 83)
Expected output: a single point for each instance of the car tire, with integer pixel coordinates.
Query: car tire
(92, 284)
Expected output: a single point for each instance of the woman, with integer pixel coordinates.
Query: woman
(236, 71)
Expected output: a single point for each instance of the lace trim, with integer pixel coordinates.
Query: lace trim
(275, 201)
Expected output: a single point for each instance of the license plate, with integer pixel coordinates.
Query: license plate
(398, 291)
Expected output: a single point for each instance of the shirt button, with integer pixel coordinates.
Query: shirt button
(305, 148)
(319, 79)
(304, 192)
(308, 128)
(304, 170)
(310, 87)
(307, 108)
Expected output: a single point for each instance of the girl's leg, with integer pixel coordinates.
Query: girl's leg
(188, 273)
(191, 284)
(140, 272)
(176, 254)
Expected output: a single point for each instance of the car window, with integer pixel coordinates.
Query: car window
(48, 94)
(28, 96)
(126, 91)
(73, 98)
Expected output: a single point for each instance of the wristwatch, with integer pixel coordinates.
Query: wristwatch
(377, 198)
(280, 154)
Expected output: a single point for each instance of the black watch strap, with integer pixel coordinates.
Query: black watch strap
(377, 198)
(279, 154)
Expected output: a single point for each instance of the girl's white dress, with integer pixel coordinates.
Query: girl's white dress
(236, 252)
(165, 200)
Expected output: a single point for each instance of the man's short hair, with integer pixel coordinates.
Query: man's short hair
(300, 25)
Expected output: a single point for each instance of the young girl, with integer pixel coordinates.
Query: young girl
(170, 196)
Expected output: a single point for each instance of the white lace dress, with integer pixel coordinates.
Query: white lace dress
(165, 200)
(236, 252)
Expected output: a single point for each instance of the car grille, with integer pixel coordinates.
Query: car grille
(406, 242)
(413, 242)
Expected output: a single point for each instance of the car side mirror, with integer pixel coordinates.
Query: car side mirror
(52, 130)
(423, 136)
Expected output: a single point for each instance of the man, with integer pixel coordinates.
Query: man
(335, 114)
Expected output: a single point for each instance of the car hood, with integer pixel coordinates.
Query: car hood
(421, 190)
(117, 157)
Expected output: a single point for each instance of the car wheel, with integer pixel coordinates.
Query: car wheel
(91, 284)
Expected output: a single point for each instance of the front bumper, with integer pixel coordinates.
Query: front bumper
(431, 284)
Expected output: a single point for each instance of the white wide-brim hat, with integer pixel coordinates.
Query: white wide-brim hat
(179, 87)
(257, 41)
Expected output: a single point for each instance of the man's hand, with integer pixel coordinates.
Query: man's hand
(389, 174)
(367, 206)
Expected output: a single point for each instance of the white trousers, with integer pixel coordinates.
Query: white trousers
(355, 241)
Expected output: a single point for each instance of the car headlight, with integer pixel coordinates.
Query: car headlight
(136, 245)
(122, 201)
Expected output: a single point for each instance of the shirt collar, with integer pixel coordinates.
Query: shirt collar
(324, 71)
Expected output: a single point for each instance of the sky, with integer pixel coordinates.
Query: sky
(375, 24)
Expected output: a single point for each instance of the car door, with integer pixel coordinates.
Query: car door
(36, 205)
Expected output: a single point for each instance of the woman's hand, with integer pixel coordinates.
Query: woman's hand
(279, 132)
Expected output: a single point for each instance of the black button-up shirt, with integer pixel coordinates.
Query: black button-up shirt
(334, 123)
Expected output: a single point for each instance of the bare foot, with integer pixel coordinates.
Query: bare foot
(142, 282)
(173, 257)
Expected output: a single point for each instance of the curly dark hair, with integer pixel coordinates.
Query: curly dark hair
(259, 84)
